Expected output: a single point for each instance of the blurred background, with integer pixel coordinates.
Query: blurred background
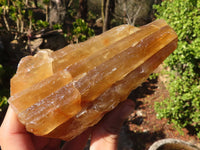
(168, 103)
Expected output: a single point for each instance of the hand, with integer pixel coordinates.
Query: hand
(104, 136)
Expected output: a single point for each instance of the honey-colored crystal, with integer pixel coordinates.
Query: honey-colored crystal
(60, 94)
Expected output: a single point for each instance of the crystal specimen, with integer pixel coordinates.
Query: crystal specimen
(60, 94)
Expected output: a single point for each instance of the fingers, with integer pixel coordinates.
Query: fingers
(43, 143)
(79, 142)
(105, 134)
(13, 135)
(11, 123)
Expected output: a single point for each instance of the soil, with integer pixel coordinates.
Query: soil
(143, 128)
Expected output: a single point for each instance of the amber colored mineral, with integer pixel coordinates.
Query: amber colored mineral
(60, 94)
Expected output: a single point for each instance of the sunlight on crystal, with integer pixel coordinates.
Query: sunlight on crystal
(60, 94)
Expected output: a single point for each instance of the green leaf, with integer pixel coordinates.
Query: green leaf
(183, 106)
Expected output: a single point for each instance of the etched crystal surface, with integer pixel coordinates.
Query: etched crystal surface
(60, 94)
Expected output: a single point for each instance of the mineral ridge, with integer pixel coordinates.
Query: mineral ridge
(60, 94)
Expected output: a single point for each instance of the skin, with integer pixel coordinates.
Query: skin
(104, 136)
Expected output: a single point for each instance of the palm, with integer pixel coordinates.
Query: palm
(13, 135)
(41, 143)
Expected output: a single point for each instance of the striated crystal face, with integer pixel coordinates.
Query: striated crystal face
(60, 94)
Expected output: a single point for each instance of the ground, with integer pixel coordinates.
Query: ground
(143, 128)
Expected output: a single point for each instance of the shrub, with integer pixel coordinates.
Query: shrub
(4, 92)
(81, 31)
(183, 106)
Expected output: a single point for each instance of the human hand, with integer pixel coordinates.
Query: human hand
(104, 136)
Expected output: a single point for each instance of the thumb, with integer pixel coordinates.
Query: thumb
(105, 134)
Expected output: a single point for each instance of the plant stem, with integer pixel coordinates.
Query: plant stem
(102, 10)
(47, 13)
(105, 22)
(6, 23)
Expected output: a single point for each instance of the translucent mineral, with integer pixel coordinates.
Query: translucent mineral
(60, 94)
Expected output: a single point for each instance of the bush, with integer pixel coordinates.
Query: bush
(183, 106)
(81, 31)
(4, 92)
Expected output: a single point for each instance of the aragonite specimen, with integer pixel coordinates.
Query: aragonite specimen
(60, 94)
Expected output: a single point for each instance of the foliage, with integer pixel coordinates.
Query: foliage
(14, 11)
(46, 2)
(40, 24)
(153, 76)
(92, 16)
(57, 26)
(18, 17)
(3, 102)
(71, 12)
(3, 90)
(183, 106)
(81, 31)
